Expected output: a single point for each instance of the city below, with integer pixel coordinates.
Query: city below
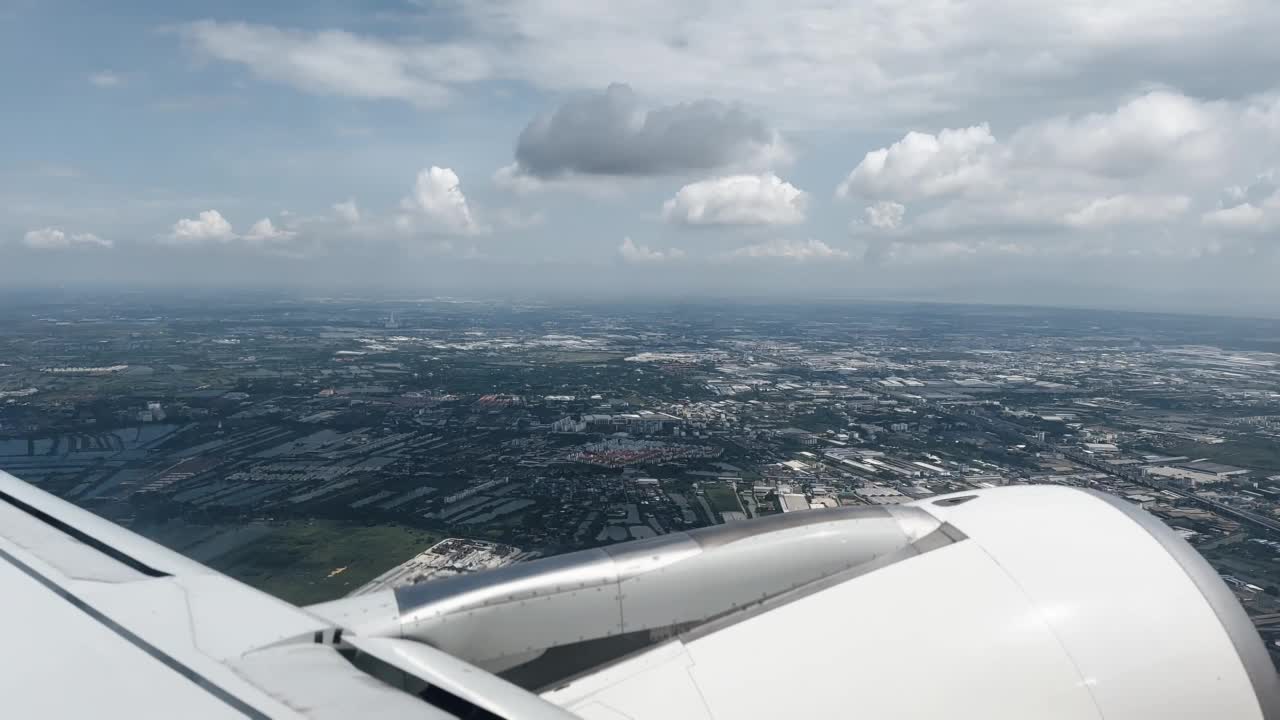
(323, 447)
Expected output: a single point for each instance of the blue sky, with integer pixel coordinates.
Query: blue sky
(1081, 153)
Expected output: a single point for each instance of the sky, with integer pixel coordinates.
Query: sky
(1075, 152)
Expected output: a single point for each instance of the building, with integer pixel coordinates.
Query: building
(1218, 470)
(1181, 476)
(568, 425)
(790, 502)
(880, 495)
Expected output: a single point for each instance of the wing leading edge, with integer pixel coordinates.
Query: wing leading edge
(102, 622)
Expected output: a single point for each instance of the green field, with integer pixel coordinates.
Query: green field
(1249, 452)
(302, 562)
(722, 498)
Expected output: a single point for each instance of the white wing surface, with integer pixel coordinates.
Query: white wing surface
(101, 622)
(1012, 603)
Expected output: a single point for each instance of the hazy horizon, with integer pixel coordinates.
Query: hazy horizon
(73, 295)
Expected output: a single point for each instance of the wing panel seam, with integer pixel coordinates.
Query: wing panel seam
(74, 532)
(124, 633)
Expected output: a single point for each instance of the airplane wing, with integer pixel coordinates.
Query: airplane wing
(1037, 602)
(101, 622)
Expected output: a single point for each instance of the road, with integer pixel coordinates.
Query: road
(1135, 476)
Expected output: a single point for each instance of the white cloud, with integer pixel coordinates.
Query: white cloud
(209, 226)
(925, 165)
(1245, 216)
(789, 250)
(438, 200)
(105, 79)
(1258, 212)
(347, 211)
(737, 200)
(1158, 132)
(1128, 209)
(1153, 130)
(1248, 208)
(1141, 166)
(642, 254)
(334, 62)
(264, 231)
(1028, 131)
(813, 60)
(816, 59)
(51, 238)
(885, 215)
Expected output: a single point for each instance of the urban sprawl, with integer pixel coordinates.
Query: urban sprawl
(333, 446)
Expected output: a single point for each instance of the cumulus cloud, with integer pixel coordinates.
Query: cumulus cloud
(789, 250)
(209, 226)
(438, 204)
(1142, 164)
(347, 211)
(614, 133)
(51, 238)
(643, 254)
(334, 62)
(737, 200)
(1151, 133)
(885, 215)
(264, 231)
(1153, 130)
(925, 165)
(1069, 151)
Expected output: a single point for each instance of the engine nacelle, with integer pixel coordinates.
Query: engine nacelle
(1021, 602)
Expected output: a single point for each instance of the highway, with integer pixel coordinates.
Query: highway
(1136, 476)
